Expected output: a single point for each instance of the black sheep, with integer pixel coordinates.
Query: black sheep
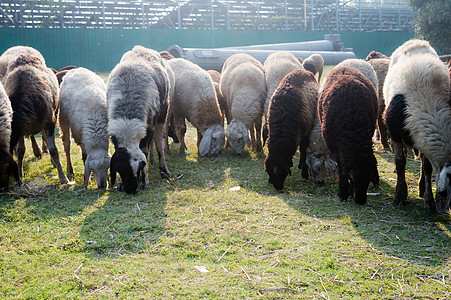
(291, 112)
(347, 109)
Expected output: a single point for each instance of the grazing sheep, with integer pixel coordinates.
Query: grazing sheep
(137, 97)
(9, 55)
(195, 100)
(417, 115)
(34, 92)
(83, 111)
(318, 157)
(315, 64)
(347, 109)
(276, 66)
(216, 77)
(380, 66)
(375, 55)
(12, 53)
(8, 167)
(243, 85)
(291, 114)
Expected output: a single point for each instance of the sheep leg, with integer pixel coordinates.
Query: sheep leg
(302, 161)
(258, 135)
(65, 136)
(166, 132)
(425, 184)
(20, 150)
(159, 143)
(180, 129)
(400, 162)
(49, 136)
(382, 129)
(36, 150)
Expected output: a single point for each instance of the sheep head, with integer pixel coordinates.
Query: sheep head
(443, 194)
(237, 137)
(130, 163)
(8, 169)
(278, 170)
(98, 161)
(320, 164)
(212, 141)
(361, 178)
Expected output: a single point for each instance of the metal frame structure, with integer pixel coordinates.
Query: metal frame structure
(308, 15)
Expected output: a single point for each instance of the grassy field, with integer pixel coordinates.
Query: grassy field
(220, 231)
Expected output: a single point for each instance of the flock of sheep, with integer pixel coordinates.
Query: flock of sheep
(149, 95)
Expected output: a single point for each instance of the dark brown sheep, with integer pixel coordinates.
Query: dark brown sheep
(347, 109)
(34, 93)
(291, 113)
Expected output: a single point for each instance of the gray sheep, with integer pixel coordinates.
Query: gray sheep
(137, 98)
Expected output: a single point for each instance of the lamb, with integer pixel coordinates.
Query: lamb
(8, 167)
(380, 66)
(291, 114)
(12, 53)
(83, 111)
(137, 100)
(195, 100)
(417, 115)
(34, 94)
(243, 85)
(315, 64)
(375, 55)
(276, 66)
(347, 109)
(216, 77)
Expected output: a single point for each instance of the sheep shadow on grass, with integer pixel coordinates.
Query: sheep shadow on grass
(409, 232)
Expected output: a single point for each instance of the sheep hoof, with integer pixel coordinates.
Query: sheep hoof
(120, 187)
(164, 172)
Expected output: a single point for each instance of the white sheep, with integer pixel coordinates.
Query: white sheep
(243, 85)
(315, 64)
(418, 115)
(195, 99)
(8, 167)
(83, 111)
(276, 66)
(137, 97)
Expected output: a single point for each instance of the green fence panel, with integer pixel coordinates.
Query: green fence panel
(101, 49)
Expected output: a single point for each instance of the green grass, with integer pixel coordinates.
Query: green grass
(256, 243)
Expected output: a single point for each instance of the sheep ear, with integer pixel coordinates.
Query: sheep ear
(247, 140)
(87, 175)
(205, 143)
(113, 169)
